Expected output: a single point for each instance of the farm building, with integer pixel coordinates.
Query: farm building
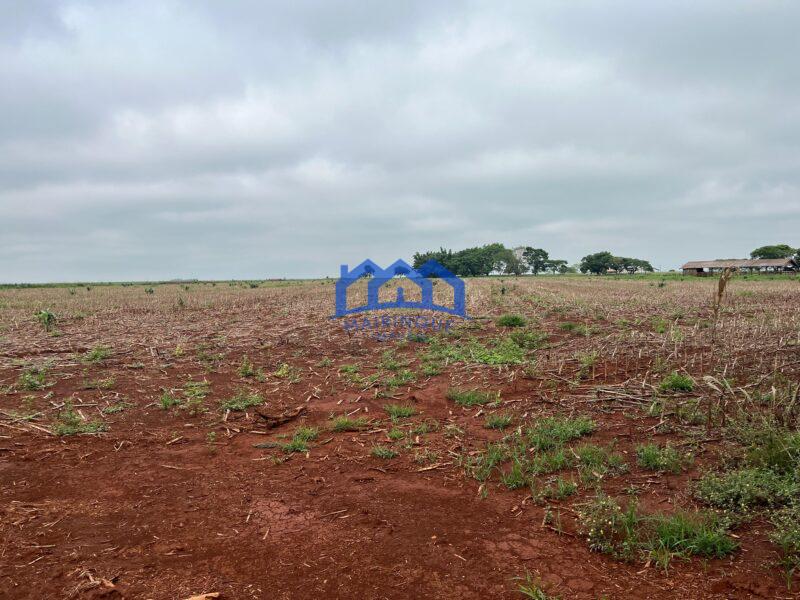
(745, 265)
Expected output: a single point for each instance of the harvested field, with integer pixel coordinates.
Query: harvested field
(167, 441)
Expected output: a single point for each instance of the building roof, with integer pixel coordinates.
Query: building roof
(740, 263)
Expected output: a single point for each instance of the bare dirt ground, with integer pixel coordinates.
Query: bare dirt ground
(155, 501)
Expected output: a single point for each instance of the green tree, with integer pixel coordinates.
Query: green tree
(776, 251)
(599, 263)
(632, 265)
(471, 262)
(513, 265)
(557, 266)
(536, 258)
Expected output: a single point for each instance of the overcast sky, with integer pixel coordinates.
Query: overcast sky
(253, 139)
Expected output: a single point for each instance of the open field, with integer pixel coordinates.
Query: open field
(623, 439)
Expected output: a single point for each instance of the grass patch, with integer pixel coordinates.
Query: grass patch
(288, 372)
(243, 400)
(300, 440)
(472, 397)
(399, 411)
(344, 423)
(390, 362)
(501, 351)
(168, 400)
(551, 432)
(33, 379)
(532, 589)
(400, 379)
(662, 459)
(70, 422)
(383, 452)
(97, 354)
(98, 384)
(395, 434)
(194, 393)
(481, 465)
(627, 534)
(528, 339)
(512, 321)
(689, 534)
(113, 409)
(517, 477)
(560, 489)
(498, 421)
(742, 490)
(248, 370)
(676, 382)
(786, 536)
(575, 328)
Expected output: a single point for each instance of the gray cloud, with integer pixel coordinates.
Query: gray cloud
(251, 139)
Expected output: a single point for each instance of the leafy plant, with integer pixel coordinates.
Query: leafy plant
(69, 422)
(46, 319)
(676, 382)
(33, 379)
(167, 400)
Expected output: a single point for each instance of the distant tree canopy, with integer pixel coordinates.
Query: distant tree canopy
(491, 258)
(602, 262)
(471, 262)
(536, 259)
(776, 251)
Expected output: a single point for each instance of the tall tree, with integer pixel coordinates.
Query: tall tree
(536, 258)
(598, 263)
(557, 266)
(776, 251)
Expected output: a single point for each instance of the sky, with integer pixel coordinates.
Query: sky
(144, 140)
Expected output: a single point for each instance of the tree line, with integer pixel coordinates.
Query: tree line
(496, 258)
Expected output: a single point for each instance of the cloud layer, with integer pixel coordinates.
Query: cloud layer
(146, 140)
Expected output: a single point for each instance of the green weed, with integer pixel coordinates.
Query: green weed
(472, 397)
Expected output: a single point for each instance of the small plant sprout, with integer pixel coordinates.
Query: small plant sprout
(168, 400)
(383, 452)
(46, 319)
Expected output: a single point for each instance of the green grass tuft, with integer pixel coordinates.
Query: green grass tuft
(383, 452)
(511, 321)
(472, 397)
(242, 401)
(676, 382)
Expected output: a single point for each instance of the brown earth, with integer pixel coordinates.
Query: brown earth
(167, 504)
